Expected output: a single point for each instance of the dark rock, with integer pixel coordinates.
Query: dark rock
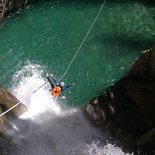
(129, 105)
(7, 101)
(147, 138)
(8, 6)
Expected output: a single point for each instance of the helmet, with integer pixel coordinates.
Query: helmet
(62, 84)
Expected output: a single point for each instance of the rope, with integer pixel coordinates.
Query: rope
(79, 46)
(83, 40)
(10, 109)
(39, 87)
(71, 60)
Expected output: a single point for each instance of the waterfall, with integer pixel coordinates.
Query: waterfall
(51, 127)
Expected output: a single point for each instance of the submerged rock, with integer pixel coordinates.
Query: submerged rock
(129, 104)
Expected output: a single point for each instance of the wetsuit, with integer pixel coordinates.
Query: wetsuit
(57, 84)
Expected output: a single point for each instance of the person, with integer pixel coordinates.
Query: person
(58, 88)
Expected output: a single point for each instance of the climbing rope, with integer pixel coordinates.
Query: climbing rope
(10, 109)
(39, 87)
(2, 114)
(83, 40)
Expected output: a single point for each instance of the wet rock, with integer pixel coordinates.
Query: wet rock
(7, 101)
(98, 112)
(148, 137)
(95, 113)
(129, 104)
(8, 6)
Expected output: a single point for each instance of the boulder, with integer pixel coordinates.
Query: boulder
(129, 104)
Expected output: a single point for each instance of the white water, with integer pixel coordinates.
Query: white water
(50, 127)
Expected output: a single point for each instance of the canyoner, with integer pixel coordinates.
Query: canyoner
(58, 87)
(56, 90)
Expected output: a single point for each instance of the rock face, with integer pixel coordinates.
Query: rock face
(130, 103)
(7, 101)
(7, 6)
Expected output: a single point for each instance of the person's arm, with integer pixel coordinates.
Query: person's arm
(56, 82)
(65, 87)
(52, 85)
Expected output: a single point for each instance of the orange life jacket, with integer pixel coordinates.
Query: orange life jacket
(56, 91)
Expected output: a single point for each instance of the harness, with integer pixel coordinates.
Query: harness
(56, 91)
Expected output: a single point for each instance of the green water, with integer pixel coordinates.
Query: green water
(48, 33)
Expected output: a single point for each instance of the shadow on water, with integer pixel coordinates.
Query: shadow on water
(66, 2)
(122, 41)
(85, 2)
(148, 3)
(81, 4)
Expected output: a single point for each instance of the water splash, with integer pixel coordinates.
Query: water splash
(48, 127)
